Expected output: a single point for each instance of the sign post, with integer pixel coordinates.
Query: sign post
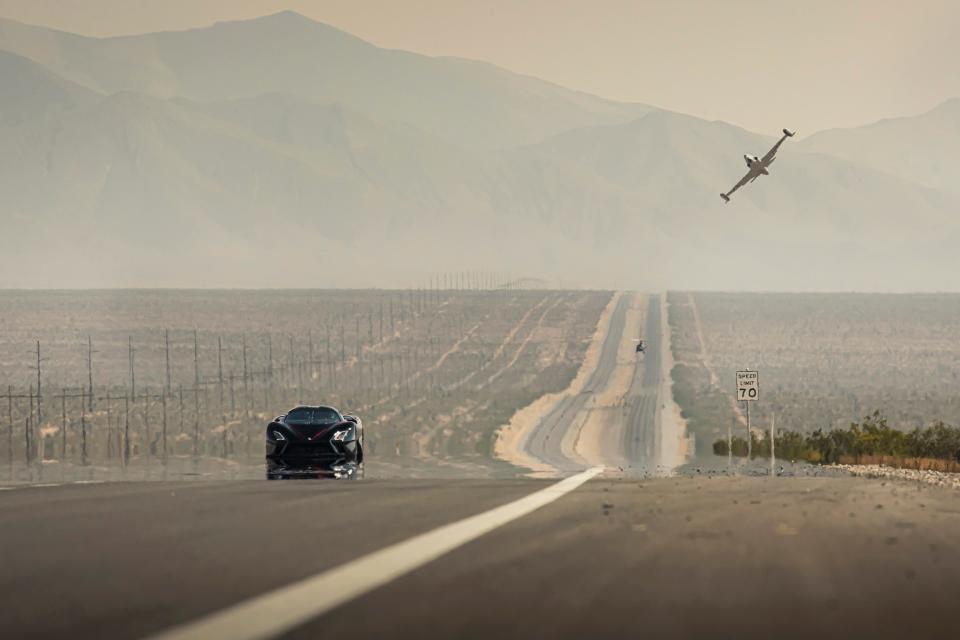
(748, 390)
(773, 457)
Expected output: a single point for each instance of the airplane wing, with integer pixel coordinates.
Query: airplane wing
(751, 175)
(773, 151)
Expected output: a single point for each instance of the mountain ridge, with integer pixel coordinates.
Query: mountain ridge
(922, 147)
(288, 53)
(572, 188)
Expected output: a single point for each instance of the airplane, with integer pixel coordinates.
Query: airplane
(758, 166)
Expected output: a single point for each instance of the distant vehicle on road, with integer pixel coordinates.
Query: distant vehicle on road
(314, 441)
(757, 166)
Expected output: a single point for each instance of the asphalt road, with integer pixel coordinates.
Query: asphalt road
(640, 434)
(544, 442)
(120, 560)
(635, 448)
(667, 558)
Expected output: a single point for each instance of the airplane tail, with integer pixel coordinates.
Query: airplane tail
(787, 133)
(725, 197)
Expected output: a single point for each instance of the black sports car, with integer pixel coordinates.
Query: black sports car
(314, 441)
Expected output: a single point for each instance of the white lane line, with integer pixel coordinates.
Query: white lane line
(7, 488)
(45, 484)
(278, 611)
(89, 482)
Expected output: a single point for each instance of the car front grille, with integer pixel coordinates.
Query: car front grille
(312, 450)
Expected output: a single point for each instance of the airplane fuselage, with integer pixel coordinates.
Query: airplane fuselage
(757, 166)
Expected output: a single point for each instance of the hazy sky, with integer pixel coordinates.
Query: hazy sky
(765, 64)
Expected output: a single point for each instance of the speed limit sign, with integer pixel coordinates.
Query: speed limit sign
(748, 386)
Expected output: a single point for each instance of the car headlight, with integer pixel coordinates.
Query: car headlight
(343, 435)
(276, 435)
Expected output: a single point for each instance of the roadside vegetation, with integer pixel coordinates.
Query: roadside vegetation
(703, 404)
(870, 441)
(706, 409)
(824, 359)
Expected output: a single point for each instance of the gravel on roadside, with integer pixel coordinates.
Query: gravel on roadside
(939, 478)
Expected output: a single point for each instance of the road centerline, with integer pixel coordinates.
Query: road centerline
(271, 614)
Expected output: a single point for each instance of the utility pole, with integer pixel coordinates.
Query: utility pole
(327, 326)
(90, 352)
(310, 353)
(83, 431)
(270, 357)
(357, 318)
(109, 427)
(220, 365)
(147, 433)
(268, 387)
(749, 437)
(196, 420)
(39, 394)
(133, 379)
(28, 427)
(293, 360)
(10, 424)
(166, 340)
(126, 429)
(233, 405)
(163, 404)
(246, 377)
(180, 412)
(359, 375)
(196, 360)
(63, 426)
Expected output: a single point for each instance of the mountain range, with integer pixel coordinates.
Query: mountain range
(284, 152)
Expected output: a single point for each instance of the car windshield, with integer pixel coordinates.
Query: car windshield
(313, 415)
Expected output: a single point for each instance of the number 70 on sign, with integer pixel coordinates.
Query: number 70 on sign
(748, 385)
